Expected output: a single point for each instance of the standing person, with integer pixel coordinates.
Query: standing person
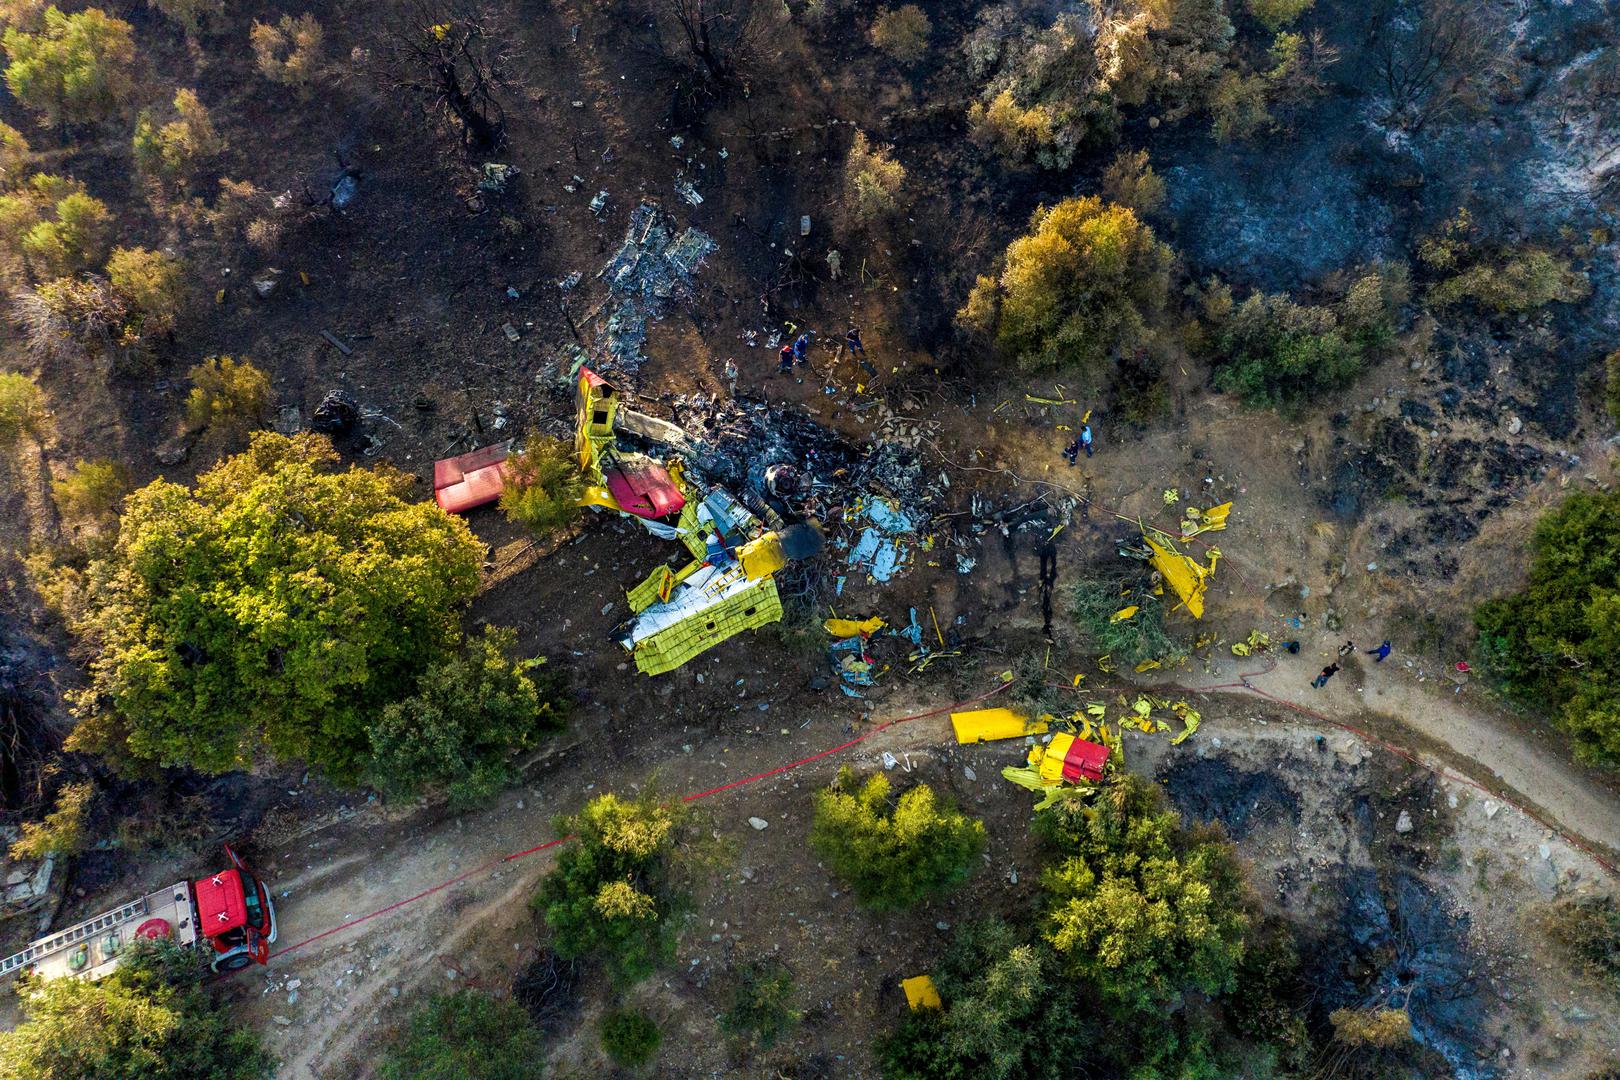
(801, 349)
(1071, 453)
(1085, 439)
(786, 360)
(1327, 673)
(853, 340)
(730, 371)
(1382, 652)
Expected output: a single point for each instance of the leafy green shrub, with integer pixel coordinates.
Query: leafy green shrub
(63, 830)
(1049, 92)
(902, 32)
(149, 1019)
(277, 604)
(53, 225)
(1282, 353)
(630, 1038)
(14, 156)
(227, 395)
(1128, 641)
(1276, 14)
(1521, 280)
(470, 715)
(1241, 106)
(893, 856)
(1130, 181)
(1373, 1027)
(1008, 1013)
(22, 410)
(171, 152)
(1371, 307)
(1139, 907)
(1084, 283)
(761, 1004)
(612, 892)
(1556, 642)
(543, 486)
(463, 1036)
(872, 180)
(190, 14)
(288, 51)
(73, 68)
(1587, 932)
(91, 492)
(152, 286)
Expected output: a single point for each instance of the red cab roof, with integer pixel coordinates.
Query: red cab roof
(470, 480)
(642, 487)
(221, 904)
(1084, 761)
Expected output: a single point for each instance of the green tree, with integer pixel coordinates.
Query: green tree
(15, 154)
(279, 603)
(63, 830)
(1139, 907)
(467, 1035)
(1279, 353)
(630, 1038)
(1130, 181)
(893, 855)
(902, 32)
(1586, 930)
(872, 180)
(152, 286)
(72, 238)
(1085, 283)
(1555, 643)
(612, 893)
(761, 1004)
(190, 14)
(149, 1019)
(22, 410)
(288, 51)
(543, 486)
(226, 395)
(1515, 281)
(470, 715)
(91, 492)
(171, 152)
(1276, 14)
(75, 68)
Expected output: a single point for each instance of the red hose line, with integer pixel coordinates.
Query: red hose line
(516, 855)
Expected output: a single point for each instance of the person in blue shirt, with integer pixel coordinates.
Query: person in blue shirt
(1381, 652)
(1085, 438)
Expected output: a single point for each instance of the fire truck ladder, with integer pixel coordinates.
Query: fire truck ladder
(72, 936)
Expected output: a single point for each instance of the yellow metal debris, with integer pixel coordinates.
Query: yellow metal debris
(988, 725)
(921, 993)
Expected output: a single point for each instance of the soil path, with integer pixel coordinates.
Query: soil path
(1480, 741)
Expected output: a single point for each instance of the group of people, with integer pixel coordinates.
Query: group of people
(1380, 654)
(796, 353)
(1081, 441)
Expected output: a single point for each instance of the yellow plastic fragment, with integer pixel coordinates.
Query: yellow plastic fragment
(988, 725)
(921, 993)
(1125, 613)
(1171, 496)
(848, 628)
(1147, 665)
(1097, 709)
(1189, 717)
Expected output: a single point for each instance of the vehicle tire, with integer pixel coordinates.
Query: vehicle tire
(234, 962)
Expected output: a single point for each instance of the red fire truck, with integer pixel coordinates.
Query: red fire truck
(231, 912)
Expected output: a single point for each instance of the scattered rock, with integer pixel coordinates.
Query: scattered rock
(1403, 824)
(1515, 425)
(282, 1021)
(1492, 809)
(266, 283)
(759, 823)
(344, 191)
(1544, 875)
(967, 771)
(1544, 851)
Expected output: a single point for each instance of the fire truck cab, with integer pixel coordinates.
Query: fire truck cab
(231, 911)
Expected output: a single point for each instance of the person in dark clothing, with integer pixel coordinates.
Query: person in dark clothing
(786, 357)
(853, 340)
(1382, 652)
(1347, 648)
(1085, 438)
(1327, 673)
(1292, 647)
(801, 349)
(1071, 453)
